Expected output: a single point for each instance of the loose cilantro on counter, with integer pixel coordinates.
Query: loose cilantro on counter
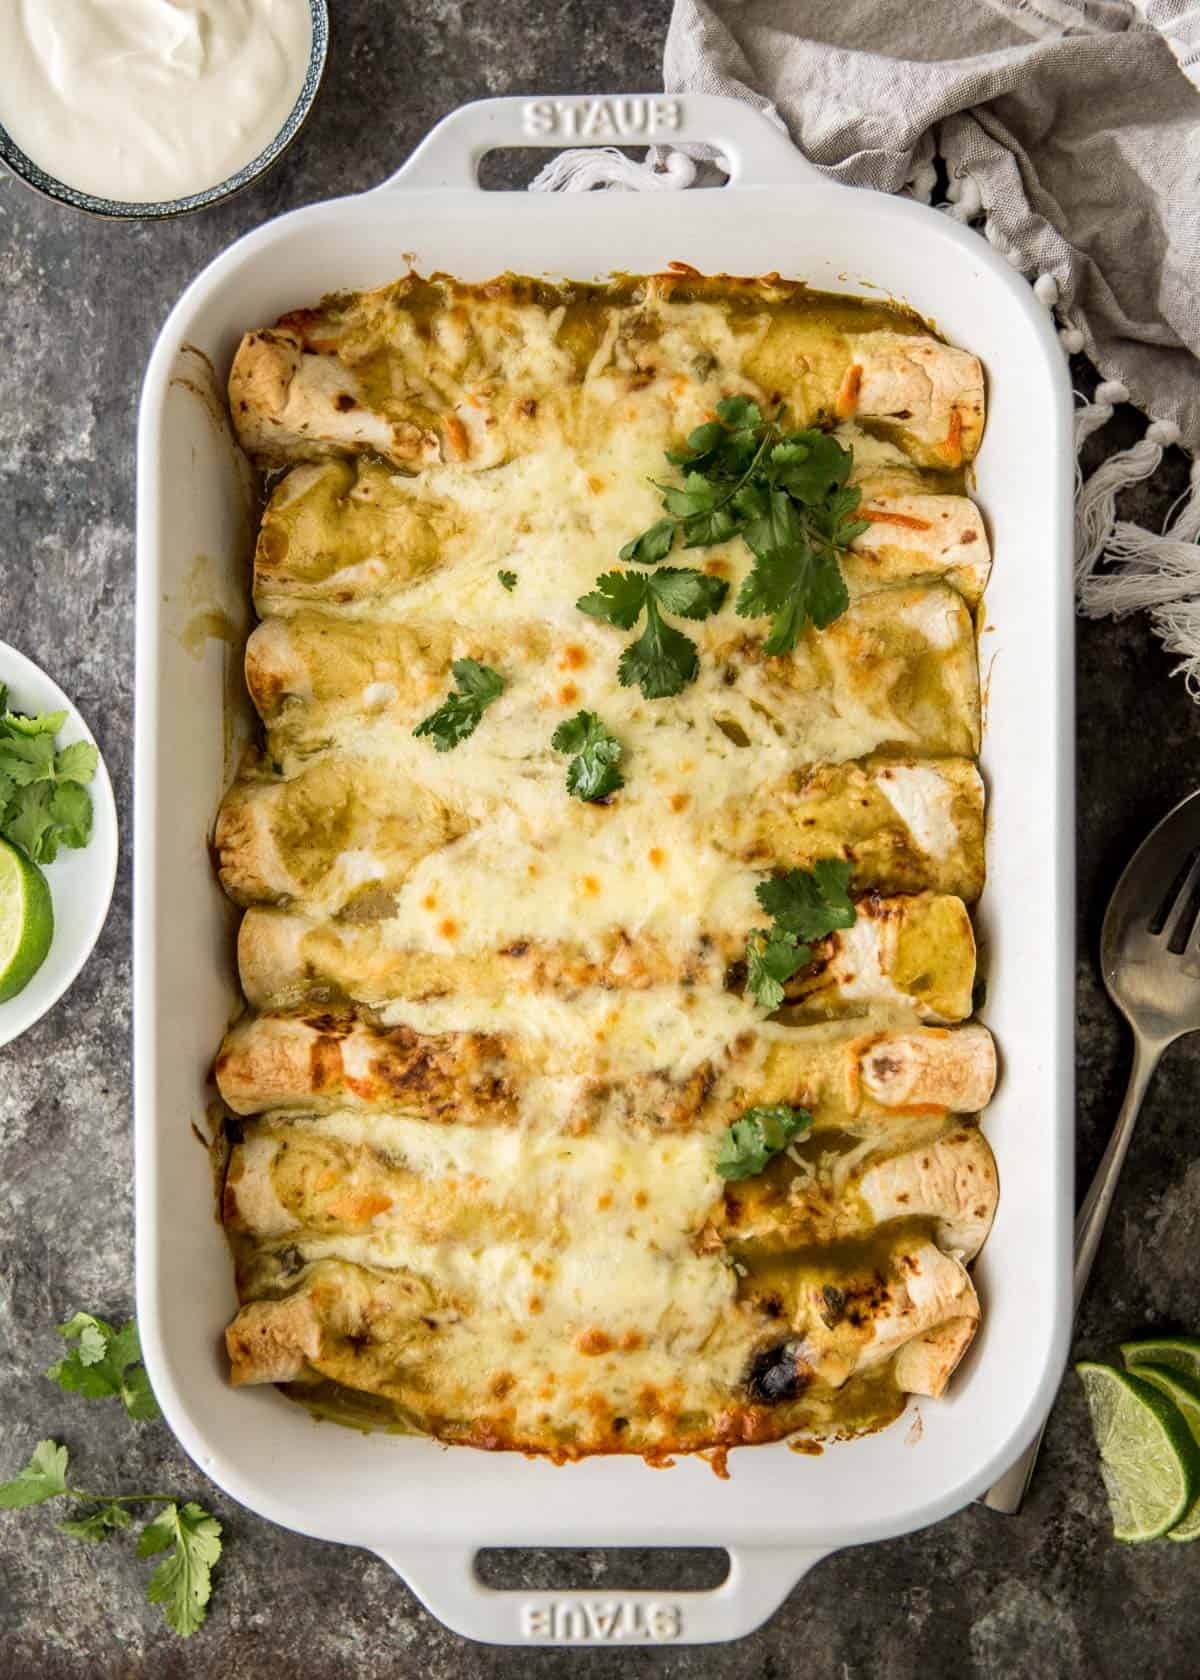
(662, 660)
(804, 906)
(106, 1362)
(44, 801)
(182, 1583)
(592, 774)
(760, 1135)
(459, 714)
(785, 493)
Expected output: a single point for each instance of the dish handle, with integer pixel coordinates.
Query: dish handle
(755, 151)
(444, 1579)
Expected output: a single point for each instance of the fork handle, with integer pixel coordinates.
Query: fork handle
(1008, 1493)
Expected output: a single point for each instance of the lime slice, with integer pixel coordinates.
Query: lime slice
(26, 920)
(1177, 1353)
(1149, 1461)
(1185, 1393)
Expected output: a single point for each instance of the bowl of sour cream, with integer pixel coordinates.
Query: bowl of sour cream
(150, 108)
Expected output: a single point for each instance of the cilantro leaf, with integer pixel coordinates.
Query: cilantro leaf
(618, 598)
(592, 774)
(716, 525)
(803, 906)
(701, 445)
(93, 1342)
(794, 578)
(76, 762)
(43, 801)
(690, 594)
(30, 824)
(459, 714)
(97, 1524)
(753, 1141)
(105, 1363)
(663, 659)
(772, 957)
(653, 544)
(182, 1583)
(739, 413)
(26, 758)
(44, 1477)
(809, 465)
(50, 814)
(137, 1396)
(810, 904)
(49, 723)
(508, 580)
(776, 523)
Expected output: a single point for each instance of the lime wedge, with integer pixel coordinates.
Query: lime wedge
(1185, 1393)
(26, 920)
(1176, 1353)
(1149, 1461)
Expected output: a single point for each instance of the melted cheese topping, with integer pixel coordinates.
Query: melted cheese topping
(576, 1276)
(605, 1032)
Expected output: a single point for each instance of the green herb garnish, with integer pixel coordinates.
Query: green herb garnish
(44, 801)
(663, 659)
(785, 493)
(182, 1583)
(592, 774)
(772, 957)
(508, 579)
(104, 1362)
(804, 906)
(758, 1137)
(459, 714)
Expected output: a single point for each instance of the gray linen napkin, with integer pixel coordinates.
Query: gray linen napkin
(1070, 133)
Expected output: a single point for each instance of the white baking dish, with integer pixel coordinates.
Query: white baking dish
(427, 1510)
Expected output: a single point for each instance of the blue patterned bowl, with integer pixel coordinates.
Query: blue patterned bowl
(24, 168)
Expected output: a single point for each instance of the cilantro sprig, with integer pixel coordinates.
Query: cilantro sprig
(105, 1362)
(663, 660)
(761, 1134)
(804, 906)
(459, 714)
(592, 774)
(182, 1583)
(44, 801)
(786, 493)
(508, 580)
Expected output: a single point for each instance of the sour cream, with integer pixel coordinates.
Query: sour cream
(146, 100)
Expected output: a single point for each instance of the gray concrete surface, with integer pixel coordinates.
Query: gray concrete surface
(1046, 1594)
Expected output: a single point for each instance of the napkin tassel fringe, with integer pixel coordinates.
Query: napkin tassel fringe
(583, 168)
(1154, 572)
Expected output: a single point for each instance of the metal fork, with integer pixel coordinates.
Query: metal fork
(1151, 967)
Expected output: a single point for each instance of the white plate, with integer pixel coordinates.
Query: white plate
(81, 883)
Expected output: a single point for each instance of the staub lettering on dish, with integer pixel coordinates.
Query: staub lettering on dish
(568, 1623)
(601, 119)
